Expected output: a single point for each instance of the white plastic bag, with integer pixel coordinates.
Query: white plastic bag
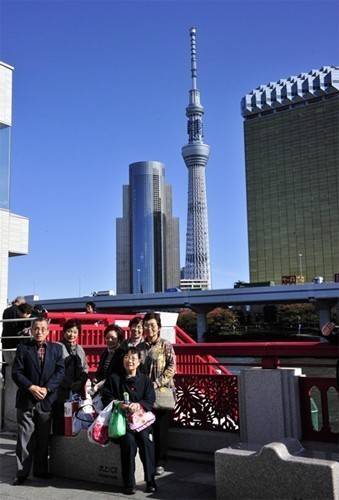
(98, 432)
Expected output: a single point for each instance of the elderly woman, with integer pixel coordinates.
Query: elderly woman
(160, 363)
(111, 358)
(141, 395)
(136, 338)
(76, 372)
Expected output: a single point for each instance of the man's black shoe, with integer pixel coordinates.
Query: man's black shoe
(151, 487)
(44, 475)
(129, 491)
(18, 480)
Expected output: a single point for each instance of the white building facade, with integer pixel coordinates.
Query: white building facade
(13, 228)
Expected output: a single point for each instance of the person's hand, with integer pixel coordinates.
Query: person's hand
(124, 406)
(328, 328)
(133, 407)
(44, 390)
(38, 392)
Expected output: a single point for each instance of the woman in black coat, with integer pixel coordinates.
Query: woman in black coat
(141, 395)
(76, 372)
(111, 357)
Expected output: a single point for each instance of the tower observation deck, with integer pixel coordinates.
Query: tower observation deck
(196, 154)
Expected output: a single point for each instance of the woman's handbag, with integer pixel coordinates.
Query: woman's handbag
(98, 432)
(97, 403)
(164, 398)
(140, 420)
(84, 417)
(117, 422)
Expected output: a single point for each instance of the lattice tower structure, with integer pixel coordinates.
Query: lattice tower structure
(196, 154)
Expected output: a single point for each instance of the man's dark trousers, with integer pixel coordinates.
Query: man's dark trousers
(33, 437)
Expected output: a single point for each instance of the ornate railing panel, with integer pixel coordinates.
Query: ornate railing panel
(207, 402)
(319, 405)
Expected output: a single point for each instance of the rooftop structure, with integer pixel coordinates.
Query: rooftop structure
(186, 284)
(292, 90)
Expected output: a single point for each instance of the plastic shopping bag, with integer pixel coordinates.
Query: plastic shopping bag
(98, 432)
(117, 422)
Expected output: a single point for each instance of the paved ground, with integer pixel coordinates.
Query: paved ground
(183, 481)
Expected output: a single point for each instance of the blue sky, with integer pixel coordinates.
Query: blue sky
(99, 85)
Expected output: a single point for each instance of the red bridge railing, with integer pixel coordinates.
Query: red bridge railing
(319, 397)
(208, 393)
(92, 340)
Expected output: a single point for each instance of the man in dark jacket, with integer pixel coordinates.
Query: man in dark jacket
(10, 328)
(37, 371)
(19, 310)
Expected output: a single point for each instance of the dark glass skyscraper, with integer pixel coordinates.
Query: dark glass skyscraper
(147, 236)
(292, 175)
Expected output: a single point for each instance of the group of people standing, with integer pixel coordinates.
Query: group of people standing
(47, 374)
(140, 365)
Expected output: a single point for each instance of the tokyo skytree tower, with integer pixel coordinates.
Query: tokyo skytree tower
(195, 154)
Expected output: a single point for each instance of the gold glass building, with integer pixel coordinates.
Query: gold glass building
(292, 176)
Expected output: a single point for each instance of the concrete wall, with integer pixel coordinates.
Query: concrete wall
(6, 76)
(274, 473)
(13, 241)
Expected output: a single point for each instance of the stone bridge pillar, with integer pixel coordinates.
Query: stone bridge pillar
(201, 325)
(269, 405)
(324, 308)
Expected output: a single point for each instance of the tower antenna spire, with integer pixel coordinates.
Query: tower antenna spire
(193, 32)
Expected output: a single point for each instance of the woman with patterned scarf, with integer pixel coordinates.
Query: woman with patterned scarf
(160, 362)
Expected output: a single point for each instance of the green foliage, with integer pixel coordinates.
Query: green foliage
(187, 320)
(222, 321)
(294, 314)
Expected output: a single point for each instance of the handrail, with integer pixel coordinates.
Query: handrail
(310, 349)
(88, 316)
(16, 320)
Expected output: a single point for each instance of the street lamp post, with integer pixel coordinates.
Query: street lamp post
(138, 281)
(300, 264)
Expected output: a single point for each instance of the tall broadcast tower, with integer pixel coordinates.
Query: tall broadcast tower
(195, 155)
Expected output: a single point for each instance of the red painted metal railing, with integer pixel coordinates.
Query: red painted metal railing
(319, 412)
(208, 395)
(106, 319)
(272, 354)
(92, 340)
(195, 363)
